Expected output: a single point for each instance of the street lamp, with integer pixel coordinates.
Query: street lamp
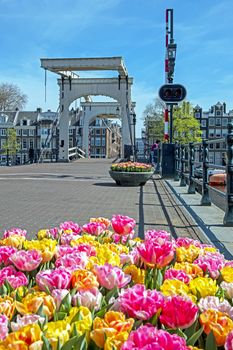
(134, 136)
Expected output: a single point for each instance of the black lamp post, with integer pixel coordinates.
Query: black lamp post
(134, 137)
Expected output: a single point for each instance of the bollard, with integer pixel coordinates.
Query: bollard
(191, 188)
(177, 161)
(205, 199)
(228, 217)
(182, 177)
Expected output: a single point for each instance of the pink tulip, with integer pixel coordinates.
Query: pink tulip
(15, 231)
(229, 341)
(53, 279)
(70, 225)
(53, 233)
(89, 298)
(140, 303)
(26, 260)
(94, 228)
(122, 238)
(22, 321)
(186, 242)
(110, 276)
(73, 261)
(156, 254)
(86, 248)
(177, 274)
(153, 234)
(3, 327)
(5, 253)
(58, 295)
(66, 238)
(150, 338)
(211, 263)
(123, 225)
(15, 278)
(178, 312)
(214, 303)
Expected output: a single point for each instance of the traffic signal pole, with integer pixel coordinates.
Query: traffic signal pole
(170, 56)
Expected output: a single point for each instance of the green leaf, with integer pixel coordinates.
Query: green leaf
(111, 293)
(46, 344)
(59, 315)
(159, 279)
(74, 343)
(192, 340)
(101, 312)
(210, 342)
(77, 317)
(191, 330)
(40, 310)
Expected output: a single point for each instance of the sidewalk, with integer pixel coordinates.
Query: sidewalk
(40, 196)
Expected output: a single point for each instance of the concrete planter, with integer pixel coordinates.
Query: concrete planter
(124, 178)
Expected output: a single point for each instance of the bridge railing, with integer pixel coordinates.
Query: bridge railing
(192, 168)
(76, 152)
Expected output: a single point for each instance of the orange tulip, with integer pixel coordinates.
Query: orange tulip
(28, 337)
(217, 322)
(83, 280)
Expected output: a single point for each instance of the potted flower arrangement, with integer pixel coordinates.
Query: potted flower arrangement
(97, 287)
(131, 173)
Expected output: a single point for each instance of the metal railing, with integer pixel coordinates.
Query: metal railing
(76, 152)
(194, 157)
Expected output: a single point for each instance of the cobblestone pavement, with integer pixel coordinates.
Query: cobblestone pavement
(44, 195)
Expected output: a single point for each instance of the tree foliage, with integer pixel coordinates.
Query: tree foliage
(11, 97)
(11, 146)
(153, 116)
(185, 126)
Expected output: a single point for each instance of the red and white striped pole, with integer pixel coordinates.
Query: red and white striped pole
(166, 119)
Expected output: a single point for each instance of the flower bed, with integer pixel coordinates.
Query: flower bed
(131, 167)
(97, 287)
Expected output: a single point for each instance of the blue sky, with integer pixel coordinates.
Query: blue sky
(133, 29)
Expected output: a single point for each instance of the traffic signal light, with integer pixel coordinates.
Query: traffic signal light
(172, 93)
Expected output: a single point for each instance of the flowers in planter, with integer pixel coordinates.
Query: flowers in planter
(95, 286)
(132, 167)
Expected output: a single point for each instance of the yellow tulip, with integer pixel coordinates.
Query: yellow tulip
(116, 341)
(24, 338)
(203, 287)
(55, 330)
(187, 254)
(84, 324)
(137, 274)
(227, 274)
(192, 270)
(7, 306)
(46, 246)
(15, 241)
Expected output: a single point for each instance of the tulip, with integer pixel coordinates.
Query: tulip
(15, 231)
(28, 337)
(203, 287)
(178, 312)
(211, 264)
(192, 270)
(186, 242)
(47, 248)
(228, 289)
(53, 279)
(3, 327)
(155, 254)
(72, 226)
(15, 241)
(58, 296)
(94, 228)
(174, 287)
(214, 303)
(104, 221)
(123, 225)
(153, 234)
(110, 276)
(227, 274)
(217, 322)
(188, 254)
(83, 280)
(33, 301)
(112, 324)
(73, 261)
(5, 253)
(137, 274)
(177, 274)
(83, 322)
(140, 303)
(89, 298)
(55, 330)
(7, 306)
(149, 338)
(26, 260)
(15, 278)
(22, 321)
(229, 341)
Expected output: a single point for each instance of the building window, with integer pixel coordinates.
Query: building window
(211, 122)
(218, 122)
(97, 141)
(31, 132)
(3, 132)
(24, 144)
(92, 131)
(70, 131)
(203, 123)
(197, 115)
(24, 132)
(103, 141)
(224, 132)
(97, 131)
(211, 146)
(217, 145)
(211, 132)
(92, 141)
(18, 132)
(31, 142)
(224, 121)
(3, 119)
(203, 135)
(3, 143)
(218, 132)
(24, 122)
(97, 122)
(103, 131)
(218, 112)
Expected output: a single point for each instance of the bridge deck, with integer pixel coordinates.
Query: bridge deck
(44, 195)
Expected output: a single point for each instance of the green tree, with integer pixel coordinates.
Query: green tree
(11, 146)
(153, 116)
(11, 97)
(186, 128)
